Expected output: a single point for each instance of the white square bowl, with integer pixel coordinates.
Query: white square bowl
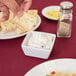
(37, 52)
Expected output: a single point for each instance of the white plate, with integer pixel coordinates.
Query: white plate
(13, 34)
(61, 65)
(50, 8)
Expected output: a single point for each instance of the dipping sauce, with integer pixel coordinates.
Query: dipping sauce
(40, 40)
(53, 14)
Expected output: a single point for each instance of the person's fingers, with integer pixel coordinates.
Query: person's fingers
(19, 1)
(13, 6)
(26, 5)
(5, 12)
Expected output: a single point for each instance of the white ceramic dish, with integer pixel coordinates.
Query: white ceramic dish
(35, 51)
(50, 8)
(13, 34)
(61, 65)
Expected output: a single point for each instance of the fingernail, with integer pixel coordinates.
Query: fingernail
(19, 14)
(2, 20)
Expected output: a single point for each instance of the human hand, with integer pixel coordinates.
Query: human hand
(24, 5)
(13, 5)
(5, 5)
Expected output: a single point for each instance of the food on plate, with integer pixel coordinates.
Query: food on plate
(74, 74)
(19, 24)
(8, 26)
(32, 12)
(53, 14)
(53, 73)
(27, 21)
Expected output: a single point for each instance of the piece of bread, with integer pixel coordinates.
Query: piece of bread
(27, 21)
(32, 12)
(8, 26)
(20, 25)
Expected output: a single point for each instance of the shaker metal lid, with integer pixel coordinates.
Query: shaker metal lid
(66, 5)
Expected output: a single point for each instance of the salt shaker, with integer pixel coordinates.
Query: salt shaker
(65, 20)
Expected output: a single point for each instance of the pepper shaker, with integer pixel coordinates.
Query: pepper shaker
(65, 20)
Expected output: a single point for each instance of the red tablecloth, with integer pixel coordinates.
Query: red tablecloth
(13, 62)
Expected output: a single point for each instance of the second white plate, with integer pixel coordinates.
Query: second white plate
(60, 65)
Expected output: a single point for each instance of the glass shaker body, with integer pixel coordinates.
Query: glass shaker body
(65, 22)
